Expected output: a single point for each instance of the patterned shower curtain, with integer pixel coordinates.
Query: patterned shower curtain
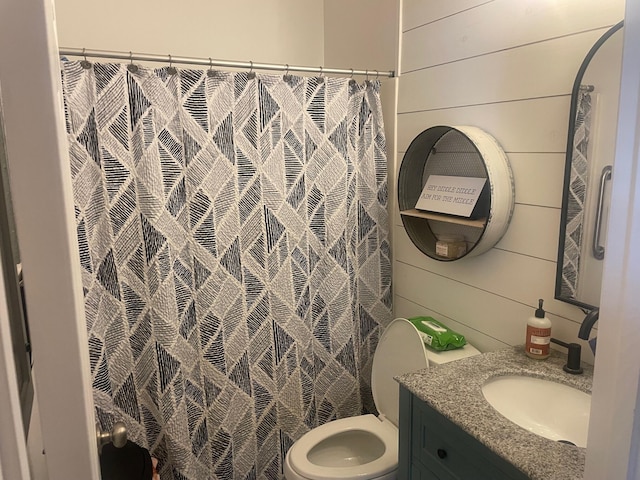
(232, 230)
(574, 235)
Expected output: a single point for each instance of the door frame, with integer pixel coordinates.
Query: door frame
(614, 428)
(13, 453)
(43, 206)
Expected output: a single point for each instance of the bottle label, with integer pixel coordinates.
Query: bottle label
(538, 340)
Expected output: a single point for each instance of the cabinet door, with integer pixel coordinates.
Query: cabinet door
(446, 449)
(420, 472)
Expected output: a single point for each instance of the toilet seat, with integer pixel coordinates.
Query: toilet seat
(400, 350)
(383, 429)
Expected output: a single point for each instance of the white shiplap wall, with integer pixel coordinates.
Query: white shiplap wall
(506, 66)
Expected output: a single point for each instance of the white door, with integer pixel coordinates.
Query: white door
(613, 447)
(43, 207)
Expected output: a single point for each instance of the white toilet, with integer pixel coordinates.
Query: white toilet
(366, 447)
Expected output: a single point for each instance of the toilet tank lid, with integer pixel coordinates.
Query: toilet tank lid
(400, 350)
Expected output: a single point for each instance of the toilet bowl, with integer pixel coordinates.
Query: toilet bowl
(366, 447)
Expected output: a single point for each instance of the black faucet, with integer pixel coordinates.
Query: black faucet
(573, 356)
(587, 324)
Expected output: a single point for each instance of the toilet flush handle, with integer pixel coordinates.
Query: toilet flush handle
(117, 436)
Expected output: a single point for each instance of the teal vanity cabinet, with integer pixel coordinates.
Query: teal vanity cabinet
(434, 448)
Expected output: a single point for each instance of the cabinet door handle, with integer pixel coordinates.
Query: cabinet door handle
(442, 453)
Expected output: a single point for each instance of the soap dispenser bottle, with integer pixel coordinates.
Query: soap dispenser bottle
(538, 334)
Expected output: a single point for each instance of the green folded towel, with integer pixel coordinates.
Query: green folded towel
(437, 335)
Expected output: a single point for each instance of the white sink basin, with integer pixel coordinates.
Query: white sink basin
(551, 410)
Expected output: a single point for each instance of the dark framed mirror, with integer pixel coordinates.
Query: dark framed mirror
(590, 154)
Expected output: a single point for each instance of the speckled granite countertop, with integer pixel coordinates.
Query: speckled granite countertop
(455, 390)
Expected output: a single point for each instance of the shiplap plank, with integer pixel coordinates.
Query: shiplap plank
(498, 317)
(504, 273)
(533, 231)
(539, 70)
(538, 125)
(567, 331)
(404, 308)
(538, 178)
(420, 12)
(503, 24)
(474, 331)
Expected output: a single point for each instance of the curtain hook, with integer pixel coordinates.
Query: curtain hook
(320, 77)
(133, 68)
(210, 72)
(377, 74)
(171, 70)
(352, 81)
(86, 64)
(251, 75)
(286, 73)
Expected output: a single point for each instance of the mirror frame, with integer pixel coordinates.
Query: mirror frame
(567, 169)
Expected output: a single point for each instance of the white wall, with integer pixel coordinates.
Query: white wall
(275, 31)
(361, 34)
(365, 34)
(506, 66)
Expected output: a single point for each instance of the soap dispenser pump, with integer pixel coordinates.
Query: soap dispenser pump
(538, 334)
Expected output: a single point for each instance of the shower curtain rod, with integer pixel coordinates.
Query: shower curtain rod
(208, 62)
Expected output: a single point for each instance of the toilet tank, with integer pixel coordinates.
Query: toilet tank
(438, 358)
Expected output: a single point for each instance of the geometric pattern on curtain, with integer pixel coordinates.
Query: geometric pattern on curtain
(576, 197)
(233, 239)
